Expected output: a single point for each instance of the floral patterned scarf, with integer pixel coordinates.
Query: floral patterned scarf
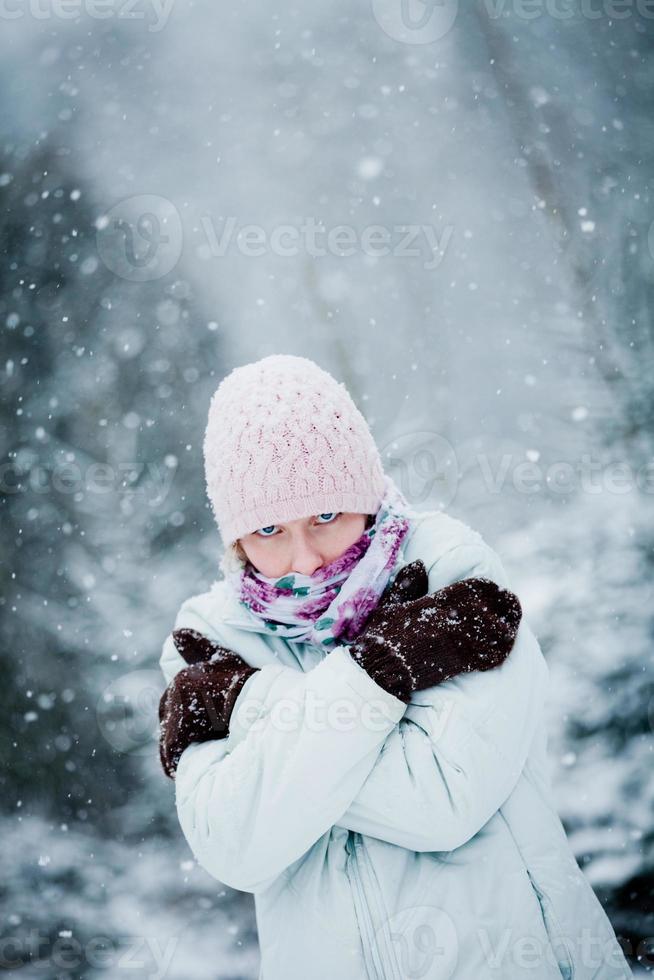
(336, 600)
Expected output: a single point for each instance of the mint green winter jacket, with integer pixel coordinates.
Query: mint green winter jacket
(385, 841)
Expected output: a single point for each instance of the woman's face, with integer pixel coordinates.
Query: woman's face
(303, 545)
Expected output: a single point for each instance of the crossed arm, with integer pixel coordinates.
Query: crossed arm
(426, 777)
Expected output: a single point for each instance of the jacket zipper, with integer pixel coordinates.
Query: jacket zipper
(379, 955)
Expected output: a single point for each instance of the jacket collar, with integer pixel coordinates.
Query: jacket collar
(236, 614)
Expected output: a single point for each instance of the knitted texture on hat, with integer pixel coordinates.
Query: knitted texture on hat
(284, 440)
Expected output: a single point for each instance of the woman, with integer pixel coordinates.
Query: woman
(354, 720)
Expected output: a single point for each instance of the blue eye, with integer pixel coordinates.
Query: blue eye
(269, 530)
(269, 527)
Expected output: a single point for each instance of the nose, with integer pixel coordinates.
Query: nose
(305, 560)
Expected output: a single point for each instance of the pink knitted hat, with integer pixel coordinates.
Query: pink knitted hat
(284, 440)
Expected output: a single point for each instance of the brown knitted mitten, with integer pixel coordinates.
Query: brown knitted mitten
(411, 645)
(197, 704)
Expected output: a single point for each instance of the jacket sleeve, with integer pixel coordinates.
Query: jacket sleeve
(251, 806)
(458, 753)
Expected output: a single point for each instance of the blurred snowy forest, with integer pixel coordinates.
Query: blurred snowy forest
(504, 357)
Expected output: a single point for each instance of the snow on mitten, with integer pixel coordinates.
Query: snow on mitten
(197, 704)
(411, 645)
